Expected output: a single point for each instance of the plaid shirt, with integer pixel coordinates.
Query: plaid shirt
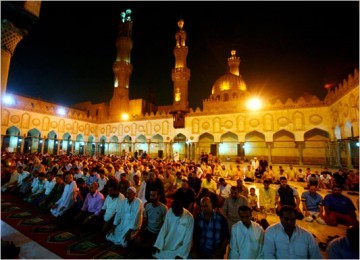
(208, 235)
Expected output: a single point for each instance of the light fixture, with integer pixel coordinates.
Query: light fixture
(124, 116)
(254, 104)
(61, 111)
(9, 100)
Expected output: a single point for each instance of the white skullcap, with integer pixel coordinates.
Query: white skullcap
(132, 188)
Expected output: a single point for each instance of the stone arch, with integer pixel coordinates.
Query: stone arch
(90, 147)
(66, 143)
(141, 144)
(102, 145)
(179, 145)
(241, 123)
(12, 139)
(45, 123)
(51, 143)
(315, 146)
(205, 142)
(337, 132)
(114, 145)
(157, 146)
(284, 150)
(255, 144)
(32, 141)
(228, 146)
(226, 97)
(165, 128)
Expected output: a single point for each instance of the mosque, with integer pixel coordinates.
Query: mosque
(305, 131)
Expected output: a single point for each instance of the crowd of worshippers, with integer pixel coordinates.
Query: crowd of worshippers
(180, 209)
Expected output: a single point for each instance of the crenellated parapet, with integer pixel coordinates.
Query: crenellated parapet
(347, 84)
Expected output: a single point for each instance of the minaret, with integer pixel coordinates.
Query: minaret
(180, 76)
(234, 63)
(122, 68)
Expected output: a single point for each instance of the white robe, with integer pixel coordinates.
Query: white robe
(175, 237)
(246, 243)
(67, 200)
(128, 216)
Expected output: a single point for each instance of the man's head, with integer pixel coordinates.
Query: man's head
(245, 215)
(239, 182)
(113, 189)
(208, 177)
(252, 191)
(312, 189)
(136, 179)
(130, 194)
(69, 178)
(283, 181)
(41, 176)
(154, 195)
(336, 190)
(152, 176)
(123, 176)
(288, 217)
(206, 205)
(177, 208)
(234, 192)
(94, 187)
(266, 184)
(184, 184)
(222, 181)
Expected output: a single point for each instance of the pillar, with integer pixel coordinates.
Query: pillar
(348, 154)
(269, 146)
(300, 148)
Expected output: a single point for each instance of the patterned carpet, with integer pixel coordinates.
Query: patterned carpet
(66, 242)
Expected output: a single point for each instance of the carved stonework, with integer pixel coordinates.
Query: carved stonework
(228, 124)
(254, 123)
(157, 128)
(25, 121)
(15, 119)
(205, 125)
(315, 119)
(36, 122)
(283, 121)
(5, 117)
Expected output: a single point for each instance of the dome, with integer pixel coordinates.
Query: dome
(229, 83)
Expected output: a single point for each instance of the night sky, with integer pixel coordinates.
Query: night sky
(286, 48)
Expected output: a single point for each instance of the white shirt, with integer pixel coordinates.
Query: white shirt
(175, 237)
(102, 183)
(225, 191)
(302, 244)
(49, 185)
(246, 243)
(110, 206)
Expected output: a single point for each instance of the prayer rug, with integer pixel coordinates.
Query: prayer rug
(43, 228)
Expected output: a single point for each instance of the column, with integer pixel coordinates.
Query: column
(148, 143)
(42, 144)
(72, 147)
(22, 144)
(57, 146)
(300, 147)
(196, 153)
(269, 146)
(348, 154)
(338, 153)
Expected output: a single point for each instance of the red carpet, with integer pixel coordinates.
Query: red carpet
(42, 228)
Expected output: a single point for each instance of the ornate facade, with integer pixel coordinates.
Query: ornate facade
(304, 131)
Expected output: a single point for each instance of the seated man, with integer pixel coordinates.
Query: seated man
(243, 190)
(301, 176)
(209, 183)
(232, 204)
(128, 219)
(175, 237)
(112, 202)
(154, 217)
(286, 240)
(287, 195)
(313, 179)
(325, 180)
(247, 237)
(90, 211)
(339, 208)
(312, 205)
(38, 188)
(224, 191)
(249, 174)
(54, 195)
(68, 197)
(211, 232)
(353, 180)
(13, 181)
(267, 198)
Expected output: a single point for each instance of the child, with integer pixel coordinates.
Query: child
(253, 200)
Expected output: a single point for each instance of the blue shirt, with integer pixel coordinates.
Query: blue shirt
(209, 234)
(312, 201)
(340, 248)
(341, 204)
